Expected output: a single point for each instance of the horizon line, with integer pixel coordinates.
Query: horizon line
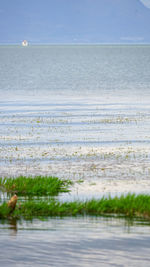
(97, 43)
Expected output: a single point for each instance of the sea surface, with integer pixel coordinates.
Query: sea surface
(82, 113)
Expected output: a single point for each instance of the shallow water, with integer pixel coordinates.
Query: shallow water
(102, 144)
(78, 112)
(79, 241)
(83, 113)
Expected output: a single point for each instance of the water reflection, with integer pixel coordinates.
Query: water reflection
(79, 241)
(13, 226)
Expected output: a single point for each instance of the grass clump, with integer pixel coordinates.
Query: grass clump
(128, 206)
(35, 186)
(4, 211)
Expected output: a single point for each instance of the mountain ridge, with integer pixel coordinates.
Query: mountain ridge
(79, 21)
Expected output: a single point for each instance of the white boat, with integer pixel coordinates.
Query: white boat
(24, 43)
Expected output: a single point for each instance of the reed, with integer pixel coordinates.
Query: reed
(34, 186)
(128, 206)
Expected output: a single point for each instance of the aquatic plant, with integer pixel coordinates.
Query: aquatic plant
(4, 211)
(129, 206)
(35, 186)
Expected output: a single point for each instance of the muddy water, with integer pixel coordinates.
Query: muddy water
(81, 241)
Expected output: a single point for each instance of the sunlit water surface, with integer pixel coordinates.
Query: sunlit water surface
(77, 112)
(83, 113)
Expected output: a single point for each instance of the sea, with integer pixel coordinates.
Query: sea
(79, 112)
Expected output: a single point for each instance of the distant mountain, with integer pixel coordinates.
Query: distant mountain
(74, 21)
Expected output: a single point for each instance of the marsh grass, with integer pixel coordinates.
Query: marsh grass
(129, 206)
(34, 186)
(4, 211)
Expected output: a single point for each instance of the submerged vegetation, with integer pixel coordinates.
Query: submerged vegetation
(34, 186)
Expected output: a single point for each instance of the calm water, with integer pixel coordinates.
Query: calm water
(80, 241)
(78, 112)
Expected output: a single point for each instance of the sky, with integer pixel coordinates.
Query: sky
(74, 21)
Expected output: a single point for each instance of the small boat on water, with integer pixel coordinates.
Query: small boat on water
(24, 43)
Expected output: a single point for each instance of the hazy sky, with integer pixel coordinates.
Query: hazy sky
(146, 3)
(75, 21)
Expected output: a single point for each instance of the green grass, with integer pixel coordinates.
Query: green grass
(34, 186)
(4, 211)
(128, 206)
